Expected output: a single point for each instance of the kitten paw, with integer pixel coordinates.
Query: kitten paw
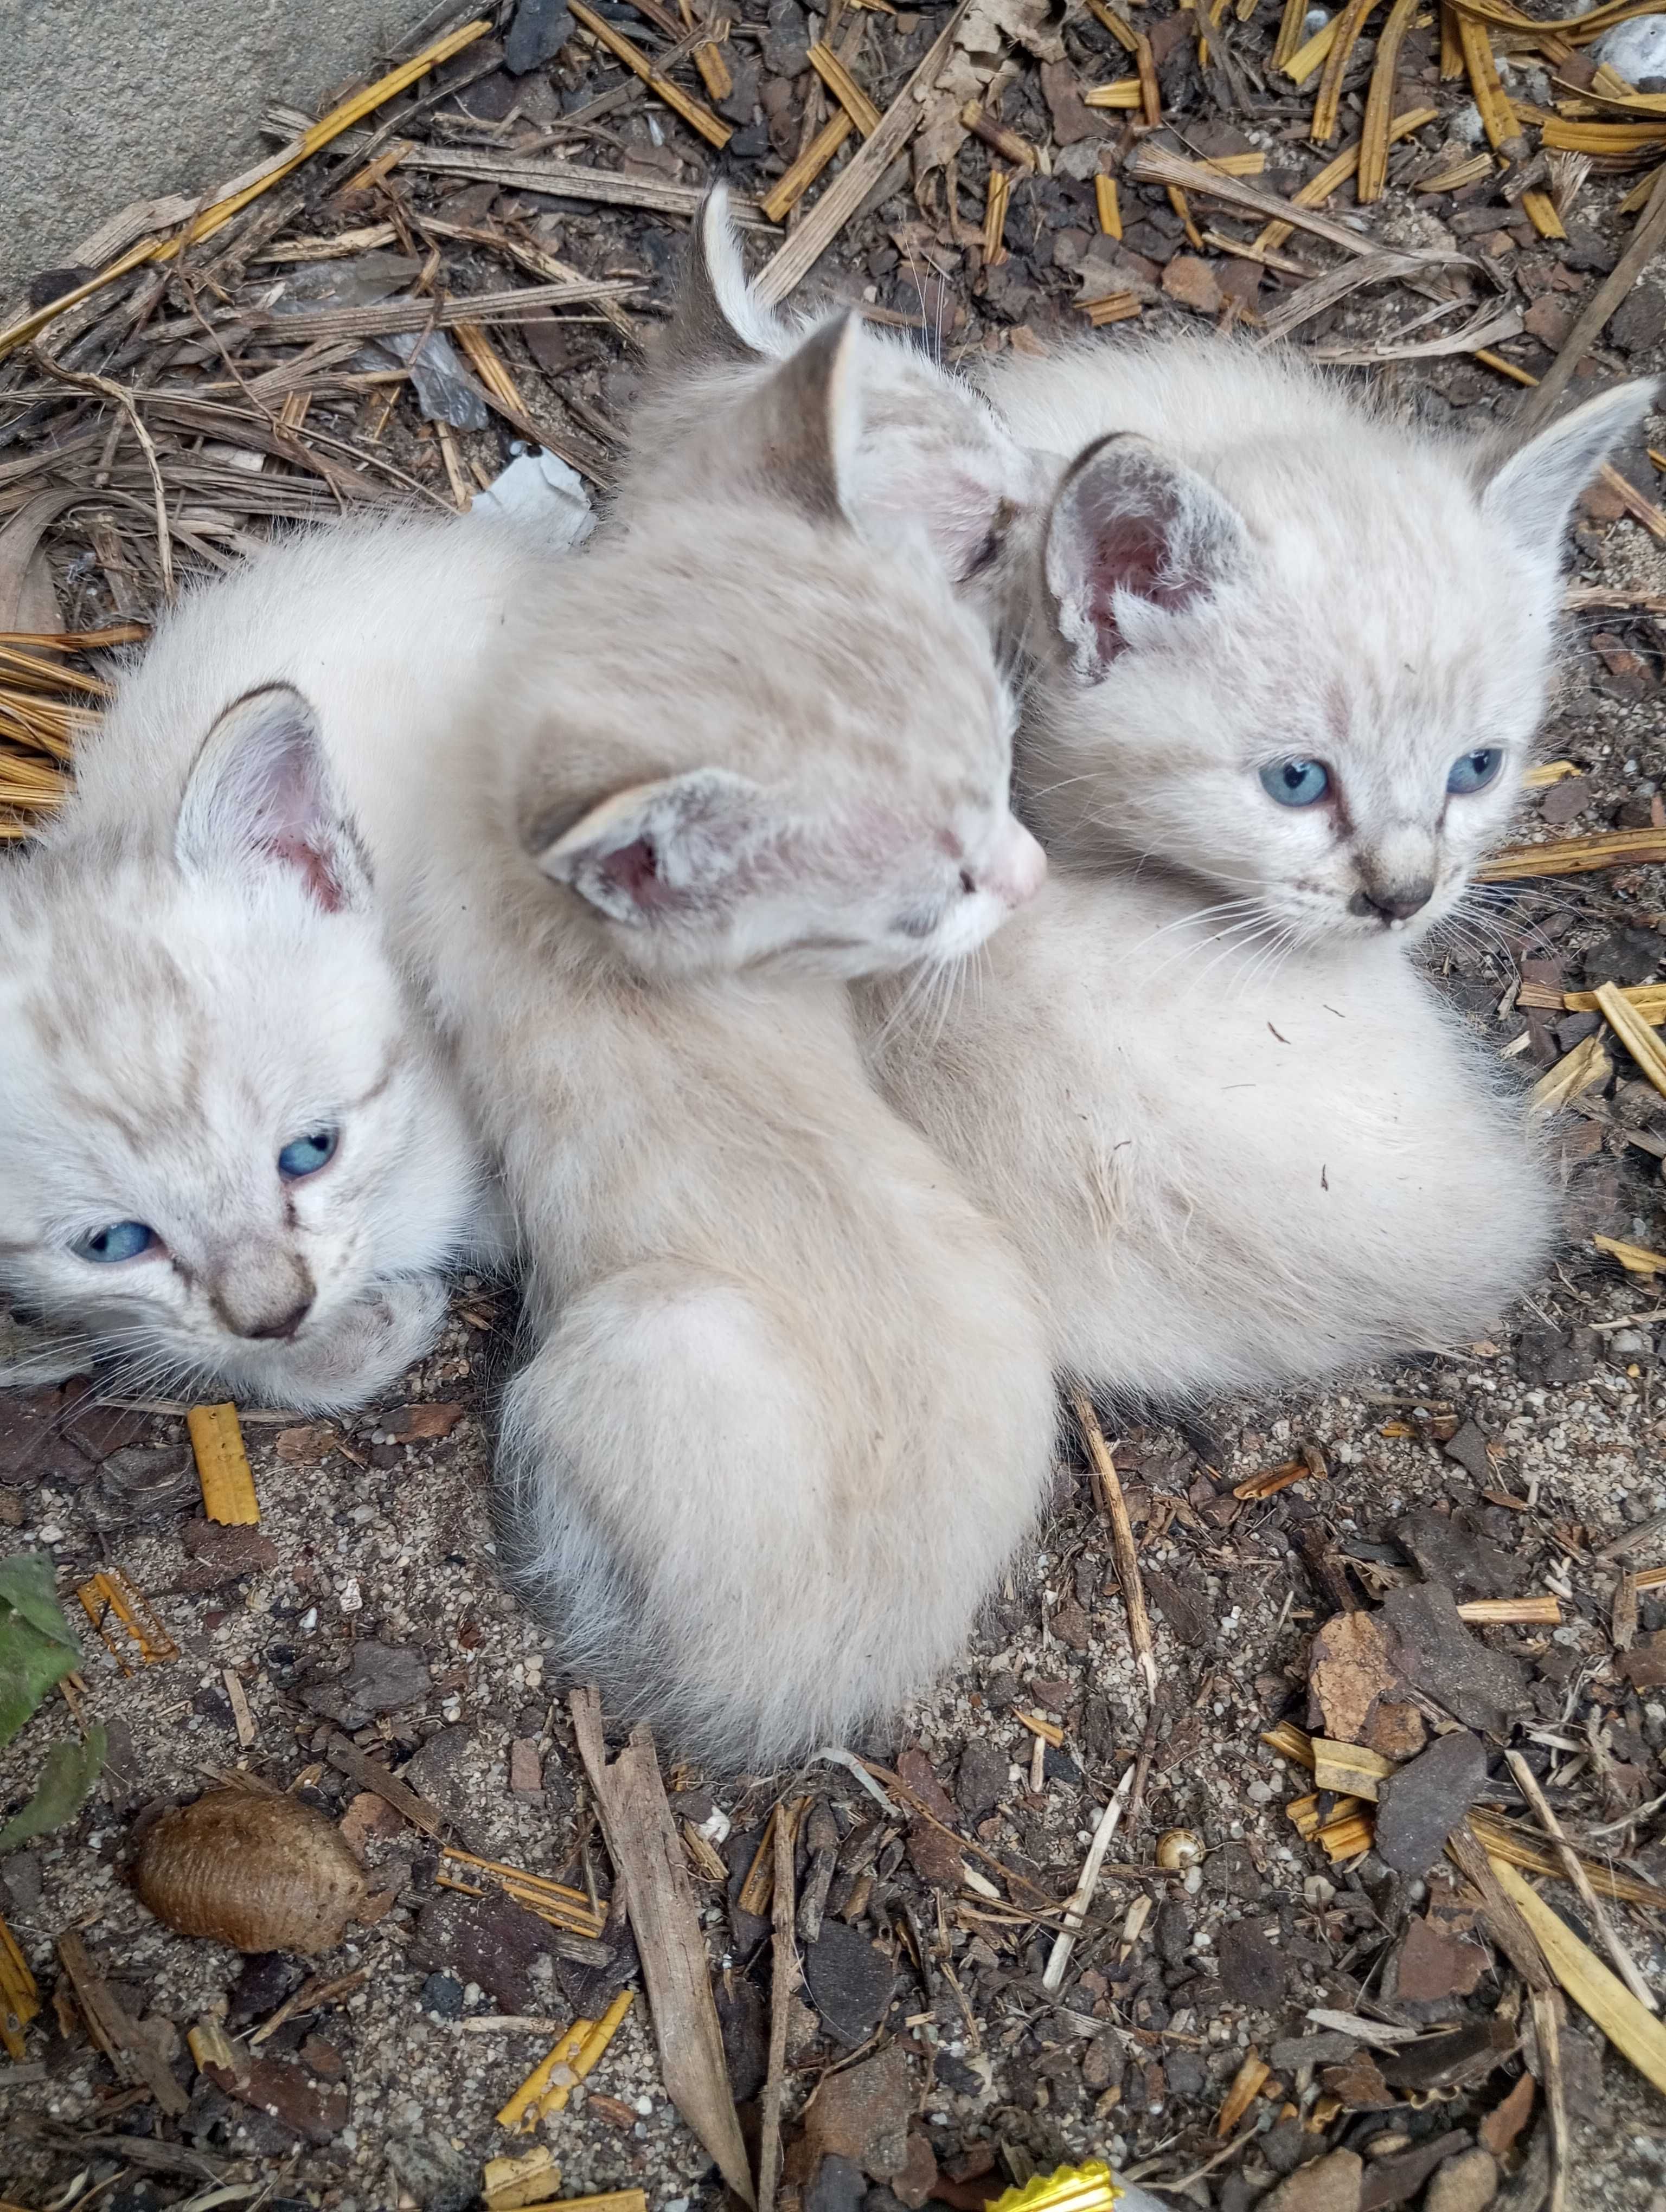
(362, 1352)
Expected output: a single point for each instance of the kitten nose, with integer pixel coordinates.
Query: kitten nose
(1395, 902)
(263, 1292)
(280, 1325)
(1018, 868)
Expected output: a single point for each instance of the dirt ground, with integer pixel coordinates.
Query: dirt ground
(365, 1607)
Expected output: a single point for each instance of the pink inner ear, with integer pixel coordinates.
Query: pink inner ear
(1134, 553)
(635, 869)
(313, 869)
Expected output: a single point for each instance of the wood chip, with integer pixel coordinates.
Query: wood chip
(123, 2040)
(647, 1859)
(1544, 1611)
(1246, 2087)
(1106, 205)
(370, 1774)
(222, 1466)
(509, 2185)
(561, 1906)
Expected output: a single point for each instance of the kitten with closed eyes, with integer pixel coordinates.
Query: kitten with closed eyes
(790, 1407)
(1286, 660)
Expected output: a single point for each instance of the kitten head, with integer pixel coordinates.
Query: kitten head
(780, 738)
(219, 1120)
(1308, 666)
(928, 464)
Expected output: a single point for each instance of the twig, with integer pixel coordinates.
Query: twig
(1122, 1539)
(1547, 2028)
(783, 1981)
(1075, 1912)
(1625, 1965)
(83, 381)
(1646, 241)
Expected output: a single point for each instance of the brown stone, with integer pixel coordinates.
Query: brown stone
(1468, 2182)
(408, 1423)
(1329, 2184)
(525, 1769)
(1549, 321)
(1192, 283)
(863, 2115)
(918, 2179)
(284, 2093)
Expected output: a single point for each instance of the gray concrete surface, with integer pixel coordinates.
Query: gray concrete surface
(105, 101)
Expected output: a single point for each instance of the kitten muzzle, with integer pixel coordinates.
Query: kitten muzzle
(1017, 868)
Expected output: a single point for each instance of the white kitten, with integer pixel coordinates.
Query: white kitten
(232, 1159)
(1281, 700)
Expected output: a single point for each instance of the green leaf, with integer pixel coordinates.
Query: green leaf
(70, 1770)
(37, 1645)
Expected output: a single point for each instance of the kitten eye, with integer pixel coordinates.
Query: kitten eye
(1296, 782)
(966, 883)
(1473, 771)
(121, 1240)
(306, 1155)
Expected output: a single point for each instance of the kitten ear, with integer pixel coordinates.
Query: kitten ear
(1132, 533)
(1531, 492)
(797, 433)
(955, 473)
(260, 795)
(718, 322)
(686, 844)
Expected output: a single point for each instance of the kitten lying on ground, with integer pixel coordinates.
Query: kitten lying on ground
(236, 1159)
(1281, 702)
(1287, 658)
(790, 1407)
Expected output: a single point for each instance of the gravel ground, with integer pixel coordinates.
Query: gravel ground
(374, 1539)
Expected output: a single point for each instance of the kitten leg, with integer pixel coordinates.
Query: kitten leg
(364, 1352)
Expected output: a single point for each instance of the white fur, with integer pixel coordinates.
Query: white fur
(178, 1004)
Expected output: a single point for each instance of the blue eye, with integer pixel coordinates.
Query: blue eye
(1296, 782)
(306, 1155)
(122, 1240)
(1472, 771)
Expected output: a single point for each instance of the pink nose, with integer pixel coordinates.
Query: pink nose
(1019, 866)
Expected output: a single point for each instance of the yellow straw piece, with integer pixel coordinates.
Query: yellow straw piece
(223, 1465)
(20, 2000)
(595, 2043)
(1627, 2025)
(518, 2112)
